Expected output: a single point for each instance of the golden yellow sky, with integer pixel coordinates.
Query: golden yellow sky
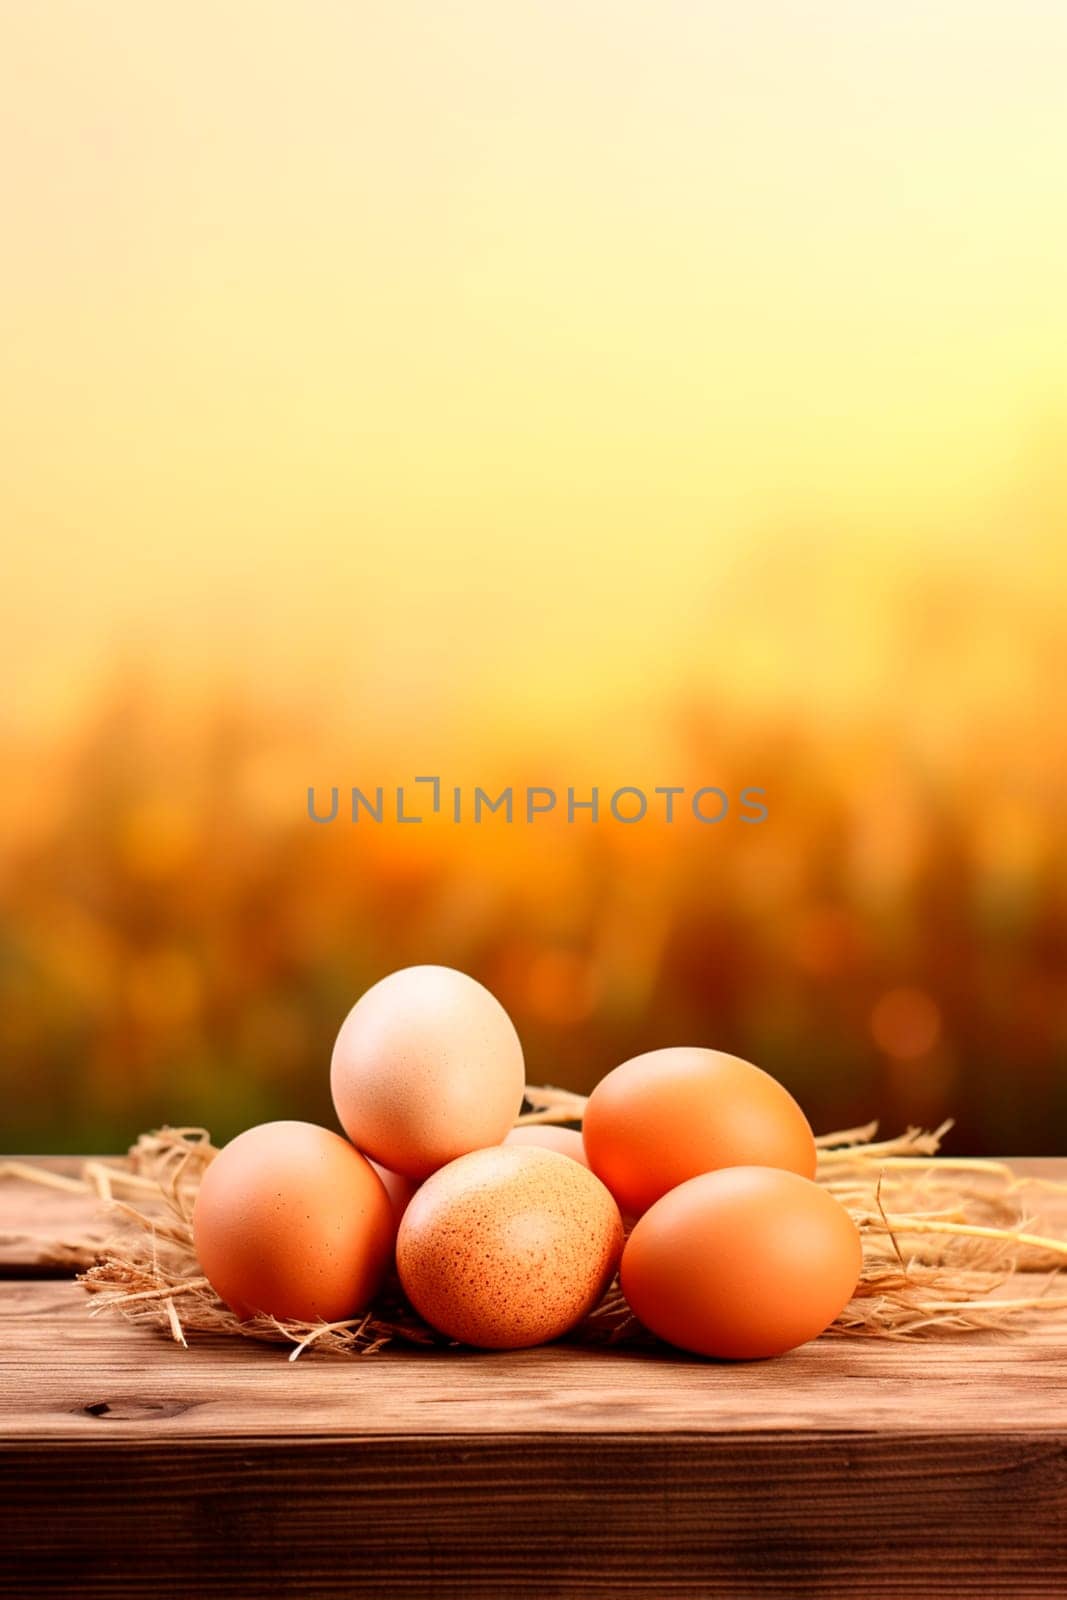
(473, 366)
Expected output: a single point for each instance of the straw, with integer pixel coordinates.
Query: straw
(950, 1245)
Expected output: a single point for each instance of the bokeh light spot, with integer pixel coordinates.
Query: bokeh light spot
(905, 1023)
(560, 987)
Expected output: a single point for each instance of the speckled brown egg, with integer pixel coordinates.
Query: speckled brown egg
(427, 1066)
(292, 1221)
(508, 1247)
(568, 1141)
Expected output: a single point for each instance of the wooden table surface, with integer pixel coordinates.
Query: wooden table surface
(129, 1466)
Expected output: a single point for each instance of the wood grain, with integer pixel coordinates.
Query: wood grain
(44, 1231)
(55, 1361)
(678, 1517)
(847, 1468)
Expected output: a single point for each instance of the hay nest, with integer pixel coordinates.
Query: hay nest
(943, 1240)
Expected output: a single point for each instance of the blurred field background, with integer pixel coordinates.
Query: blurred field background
(571, 394)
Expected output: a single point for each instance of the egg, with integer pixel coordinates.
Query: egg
(398, 1188)
(542, 1134)
(292, 1221)
(508, 1247)
(427, 1066)
(741, 1263)
(672, 1114)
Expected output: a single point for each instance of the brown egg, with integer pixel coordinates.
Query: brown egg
(427, 1066)
(508, 1247)
(672, 1114)
(568, 1141)
(398, 1188)
(292, 1221)
(742, 1263)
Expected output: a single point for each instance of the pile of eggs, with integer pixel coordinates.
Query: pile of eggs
(692, 1178)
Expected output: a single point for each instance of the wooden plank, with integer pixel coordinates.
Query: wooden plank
(48, 1231)
(896, 1471)
(579, 1517)
(67, 1379)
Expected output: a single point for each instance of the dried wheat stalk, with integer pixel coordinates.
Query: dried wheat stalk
(941, 1238)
